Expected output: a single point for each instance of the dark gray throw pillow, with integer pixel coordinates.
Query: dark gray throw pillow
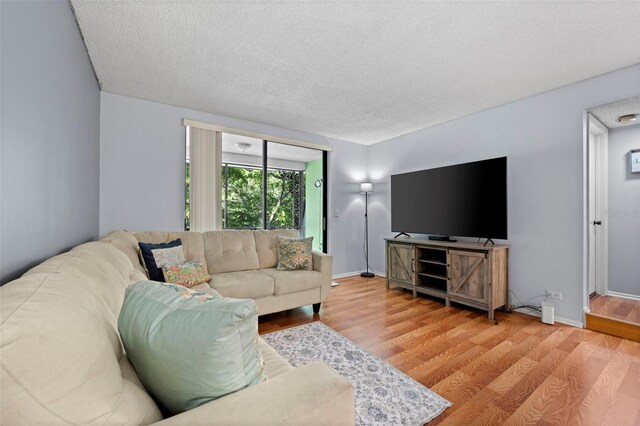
(157, 254)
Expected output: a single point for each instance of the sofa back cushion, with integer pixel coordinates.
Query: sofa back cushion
(267, 248)
(230, 251)
(220, 251)
(60, 349)
(128, 243)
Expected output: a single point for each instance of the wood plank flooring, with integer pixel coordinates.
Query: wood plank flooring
(517, 372)
(616, 307)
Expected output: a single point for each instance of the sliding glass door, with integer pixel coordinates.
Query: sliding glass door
(268, 185)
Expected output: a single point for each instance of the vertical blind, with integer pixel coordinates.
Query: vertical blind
(205, 156)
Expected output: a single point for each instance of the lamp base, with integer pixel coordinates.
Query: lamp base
(367, 274)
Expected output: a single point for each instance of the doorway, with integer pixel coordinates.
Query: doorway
(612, 285)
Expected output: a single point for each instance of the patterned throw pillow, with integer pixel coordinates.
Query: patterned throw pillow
(156, 255)
(294, 253)
(186, 274)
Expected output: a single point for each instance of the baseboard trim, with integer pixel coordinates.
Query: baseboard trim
(346, 274)
(353, 274)
(623, 295)
(565, 321)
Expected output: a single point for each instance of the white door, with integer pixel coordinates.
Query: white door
(597, 202)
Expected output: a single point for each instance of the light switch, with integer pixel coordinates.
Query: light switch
(336, 212)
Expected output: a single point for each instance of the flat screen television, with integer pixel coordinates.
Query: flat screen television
(464, 200)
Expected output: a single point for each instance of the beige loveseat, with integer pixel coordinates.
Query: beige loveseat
(63, 362)
(243, 266)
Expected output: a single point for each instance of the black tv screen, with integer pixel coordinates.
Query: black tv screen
(464, 200)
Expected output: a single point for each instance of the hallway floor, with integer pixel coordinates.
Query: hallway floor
(616, 307)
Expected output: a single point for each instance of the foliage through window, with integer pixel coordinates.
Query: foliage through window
(242, 197)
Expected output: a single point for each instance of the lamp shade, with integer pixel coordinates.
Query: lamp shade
(366, 187)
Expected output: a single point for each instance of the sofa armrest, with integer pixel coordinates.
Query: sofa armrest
(323, 263)
(311, 394)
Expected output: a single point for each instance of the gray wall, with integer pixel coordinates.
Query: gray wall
(624, 212)
(543, 139)
(347, 168)
(142, 154)
(50, 136)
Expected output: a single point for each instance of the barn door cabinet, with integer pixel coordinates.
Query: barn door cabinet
(400, 265)
(466, 273)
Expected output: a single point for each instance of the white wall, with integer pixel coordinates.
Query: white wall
(50, 136)
(142, 155)
(624, 212)
(543, 138)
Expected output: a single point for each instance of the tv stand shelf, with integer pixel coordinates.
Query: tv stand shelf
(461, 272)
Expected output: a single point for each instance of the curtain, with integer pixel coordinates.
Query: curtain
(205, 156)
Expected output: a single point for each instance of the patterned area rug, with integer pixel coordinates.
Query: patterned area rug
(384, 395)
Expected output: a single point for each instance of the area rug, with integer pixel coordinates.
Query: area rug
(383, 395)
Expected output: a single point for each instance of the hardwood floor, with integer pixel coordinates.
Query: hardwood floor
(517, 372)
(616, 307)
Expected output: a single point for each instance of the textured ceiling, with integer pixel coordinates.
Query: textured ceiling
(607, 114)
(358, 71)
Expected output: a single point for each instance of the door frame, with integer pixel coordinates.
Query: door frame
(596, 150)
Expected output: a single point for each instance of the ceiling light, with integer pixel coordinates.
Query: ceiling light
(629, 118)
(243, 146)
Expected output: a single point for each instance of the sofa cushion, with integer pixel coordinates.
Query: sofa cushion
(60, 350)
(243, 284)
(295, 254)
(206, 288)
(100, 266)
(155, 255)
(266, 245)
(187, 347)
(128, 243)
(230, 251)
(293, 281)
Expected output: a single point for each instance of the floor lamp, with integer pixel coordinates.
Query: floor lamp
(366, 187)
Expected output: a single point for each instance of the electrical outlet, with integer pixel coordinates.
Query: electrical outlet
(551, 294)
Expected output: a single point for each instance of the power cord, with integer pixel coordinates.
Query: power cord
(523, 305)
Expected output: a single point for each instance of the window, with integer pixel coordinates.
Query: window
(242, 197)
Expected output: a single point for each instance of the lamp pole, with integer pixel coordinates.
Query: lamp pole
(367, 187)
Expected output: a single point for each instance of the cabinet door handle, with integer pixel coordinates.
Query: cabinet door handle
(412, 265)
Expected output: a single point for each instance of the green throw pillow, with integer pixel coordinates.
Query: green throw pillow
(294, 253)
(188, 347)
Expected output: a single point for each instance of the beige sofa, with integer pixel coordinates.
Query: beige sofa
(243, 265)
(63, 362)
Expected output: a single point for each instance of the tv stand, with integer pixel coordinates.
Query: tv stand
(445, 238)
(402, 233)
(471, 274)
